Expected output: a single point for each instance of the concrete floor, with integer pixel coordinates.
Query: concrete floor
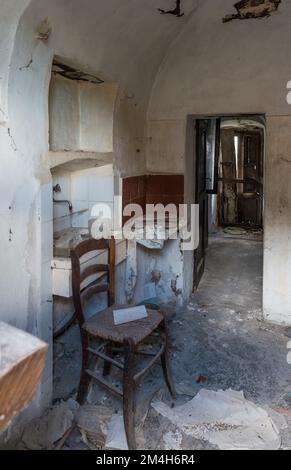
(234, 273)
(225, 338)
(220, 336)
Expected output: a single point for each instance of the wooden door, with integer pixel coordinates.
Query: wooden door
(241, 176)
(250, 193)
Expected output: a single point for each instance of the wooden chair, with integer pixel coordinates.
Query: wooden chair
(127, 337)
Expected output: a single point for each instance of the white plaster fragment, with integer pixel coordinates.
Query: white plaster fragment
(225, 419)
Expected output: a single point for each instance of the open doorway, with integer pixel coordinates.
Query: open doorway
(229, 172)
(240, 190)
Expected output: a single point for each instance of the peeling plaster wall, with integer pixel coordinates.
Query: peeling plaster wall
(163, 269)
(277, 259)
(24, 254)
(237, 67)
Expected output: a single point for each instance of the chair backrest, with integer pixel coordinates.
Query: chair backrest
(82, 290)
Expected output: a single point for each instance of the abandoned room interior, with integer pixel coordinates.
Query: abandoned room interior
(122, 328)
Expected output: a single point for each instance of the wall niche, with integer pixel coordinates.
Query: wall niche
(81, 111)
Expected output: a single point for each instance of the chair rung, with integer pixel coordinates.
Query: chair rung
(104, 383)
(145, 353)
(139, 375)
(137, 353)
(97, 353)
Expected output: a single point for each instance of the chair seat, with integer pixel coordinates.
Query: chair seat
(102, 326)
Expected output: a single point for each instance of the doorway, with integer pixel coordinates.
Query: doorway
(240, 192)
(228, 182)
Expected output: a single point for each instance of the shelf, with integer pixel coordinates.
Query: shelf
(70, 161)
(71, 214)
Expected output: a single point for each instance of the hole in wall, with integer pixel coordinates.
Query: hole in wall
(71, 73)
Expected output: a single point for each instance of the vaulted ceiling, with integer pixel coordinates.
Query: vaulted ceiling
(125, 40)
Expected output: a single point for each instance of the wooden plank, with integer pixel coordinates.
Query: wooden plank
(138, 376)
(22, 359)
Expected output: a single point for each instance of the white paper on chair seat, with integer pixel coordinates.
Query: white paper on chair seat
(128, 315)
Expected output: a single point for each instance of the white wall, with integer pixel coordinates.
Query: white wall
(83, 189)
(277, 259)
(90, 187)
(64, 115)
(11, 12)
(97, 103)
(81, 116)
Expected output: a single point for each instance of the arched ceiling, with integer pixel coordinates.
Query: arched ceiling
(127, 41)
(123, 40)
(241, 66)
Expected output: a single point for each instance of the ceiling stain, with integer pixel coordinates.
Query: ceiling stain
(247, 9)
(74, 74)
(176, 11)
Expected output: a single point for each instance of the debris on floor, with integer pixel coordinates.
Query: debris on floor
(235, 231)
(287, 398)
(186, 389)
(44, 432)
(173, 440)
(93, 423)
(116, 437)
(225, 419)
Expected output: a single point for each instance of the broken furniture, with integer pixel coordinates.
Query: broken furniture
(22, 359)
(101, 326)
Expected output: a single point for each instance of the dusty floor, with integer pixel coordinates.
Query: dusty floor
(219, 340)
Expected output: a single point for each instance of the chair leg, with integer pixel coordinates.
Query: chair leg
(128, 394)
(107, 365)
(166, 364)
(85, 379)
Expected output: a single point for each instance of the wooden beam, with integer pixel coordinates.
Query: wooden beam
(22, 360)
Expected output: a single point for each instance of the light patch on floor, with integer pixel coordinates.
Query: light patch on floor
(225, 419)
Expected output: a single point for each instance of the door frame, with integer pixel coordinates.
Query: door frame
(191, 158)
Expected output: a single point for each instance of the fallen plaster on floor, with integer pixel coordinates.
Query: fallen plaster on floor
(44, 432)
(225, 419)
